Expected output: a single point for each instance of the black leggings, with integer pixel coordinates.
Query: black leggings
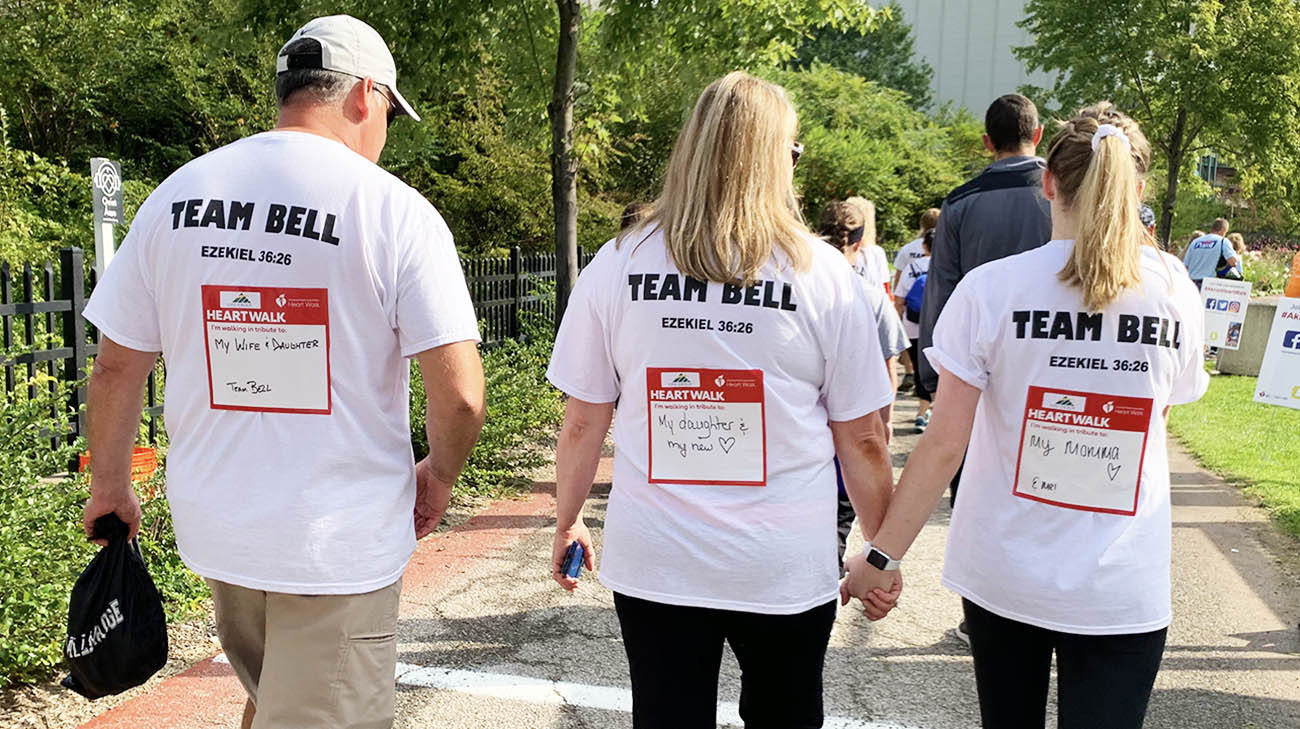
(1103, 681)
(674, 653)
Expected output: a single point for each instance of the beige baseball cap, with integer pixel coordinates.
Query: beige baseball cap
(350, 46)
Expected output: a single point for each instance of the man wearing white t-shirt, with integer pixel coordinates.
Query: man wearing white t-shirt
(287, 280)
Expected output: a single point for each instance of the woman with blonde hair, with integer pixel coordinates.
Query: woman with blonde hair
(1058, 367)
(732, 340)
(1234, 270)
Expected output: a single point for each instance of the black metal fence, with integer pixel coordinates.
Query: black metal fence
(503, 287)
(43, 331)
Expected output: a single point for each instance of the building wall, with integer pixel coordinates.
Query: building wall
(968, 44)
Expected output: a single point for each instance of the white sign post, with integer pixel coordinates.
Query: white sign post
(1225, 302)
(1279, 376)
(106, 192)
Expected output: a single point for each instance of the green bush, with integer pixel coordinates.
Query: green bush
(521, 406)
(42, 547)
(863, 139)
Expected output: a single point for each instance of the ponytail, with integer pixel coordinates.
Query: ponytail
(1098, 158)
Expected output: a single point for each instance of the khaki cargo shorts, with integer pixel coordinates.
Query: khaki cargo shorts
(312, 661)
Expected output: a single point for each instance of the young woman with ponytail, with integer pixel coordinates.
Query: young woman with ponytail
(1058, 367)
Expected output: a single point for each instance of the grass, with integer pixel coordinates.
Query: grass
(1253, 445)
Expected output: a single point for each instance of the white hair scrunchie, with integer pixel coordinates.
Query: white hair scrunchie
(1109, 130)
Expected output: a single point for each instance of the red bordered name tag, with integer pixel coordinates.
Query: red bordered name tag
(706, 426)
(268, 349)
(1083, 450)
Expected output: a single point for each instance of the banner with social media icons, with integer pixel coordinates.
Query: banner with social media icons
(1279, 377)
(1225, 303)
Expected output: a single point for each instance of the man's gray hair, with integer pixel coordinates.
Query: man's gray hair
(313, 85)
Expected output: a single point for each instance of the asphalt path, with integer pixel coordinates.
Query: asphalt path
(503, 646)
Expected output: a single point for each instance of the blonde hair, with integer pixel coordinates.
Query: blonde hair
(1101, 187)
(838, 222)
(728, 201)
(868, 210)
(1238, 242)
(929, 221)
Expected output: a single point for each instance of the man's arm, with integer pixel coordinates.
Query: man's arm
(945, 272)
(453, 384)
(113, 419)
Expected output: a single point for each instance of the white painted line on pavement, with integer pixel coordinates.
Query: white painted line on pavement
(558, 693)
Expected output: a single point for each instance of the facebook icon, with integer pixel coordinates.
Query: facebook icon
(1291, 340)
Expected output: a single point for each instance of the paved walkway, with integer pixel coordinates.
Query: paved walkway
(487, 640)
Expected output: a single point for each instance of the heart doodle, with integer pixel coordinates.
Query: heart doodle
(727, 444)
(1112, 469)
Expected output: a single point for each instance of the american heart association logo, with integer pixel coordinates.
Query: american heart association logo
(280, 300)
(1109, 407)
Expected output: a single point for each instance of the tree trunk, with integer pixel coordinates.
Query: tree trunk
(564, 169)
(1176, 146)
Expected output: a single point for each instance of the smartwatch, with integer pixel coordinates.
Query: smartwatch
(880, 560)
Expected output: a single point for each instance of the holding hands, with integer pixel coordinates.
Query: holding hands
(877, 589)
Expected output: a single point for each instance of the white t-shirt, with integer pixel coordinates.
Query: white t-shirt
(1063, 516)
(911, 273)
(285, 279)
(719, 386)
(872, 265)
(913, 251)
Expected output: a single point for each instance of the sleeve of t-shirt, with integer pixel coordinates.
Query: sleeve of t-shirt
(893, 338)
(433, 303)
(582, 362)
(855, 382)
(124, 305)
(961, 342)
(1191, 381)
(898, 257)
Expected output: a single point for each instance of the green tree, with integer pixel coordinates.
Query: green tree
(886, 55)
(863, 139)
(1198, 76)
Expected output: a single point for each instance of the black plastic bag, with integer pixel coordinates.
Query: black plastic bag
(117, 632)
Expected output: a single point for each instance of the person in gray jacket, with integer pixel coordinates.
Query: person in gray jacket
(998, 213)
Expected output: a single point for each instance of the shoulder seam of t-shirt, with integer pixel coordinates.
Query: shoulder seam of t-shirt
(114, 334)
(462, 335)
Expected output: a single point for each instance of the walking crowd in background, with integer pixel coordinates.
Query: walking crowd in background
(748, 367)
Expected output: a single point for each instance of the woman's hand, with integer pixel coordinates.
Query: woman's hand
(563, 538)
(877, 589)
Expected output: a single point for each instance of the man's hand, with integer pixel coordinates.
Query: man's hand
(877, 589)
(105, 501)
(563, 538)
(432, 496)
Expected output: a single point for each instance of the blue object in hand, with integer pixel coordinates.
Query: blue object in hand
(573, 560)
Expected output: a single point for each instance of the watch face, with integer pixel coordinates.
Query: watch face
(877, 559)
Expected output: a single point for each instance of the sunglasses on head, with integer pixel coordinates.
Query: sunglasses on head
(796, 150)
